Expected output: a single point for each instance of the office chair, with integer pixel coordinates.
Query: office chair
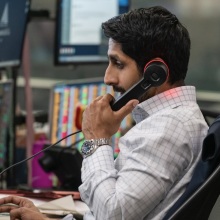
(201, 194)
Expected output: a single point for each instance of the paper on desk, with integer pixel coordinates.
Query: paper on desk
(63, 206)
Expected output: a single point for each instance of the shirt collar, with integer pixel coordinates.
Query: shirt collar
(168, 99)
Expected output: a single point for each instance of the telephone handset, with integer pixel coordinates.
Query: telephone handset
(155, 74)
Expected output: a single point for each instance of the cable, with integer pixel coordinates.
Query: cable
(75, 143)
(34, 155)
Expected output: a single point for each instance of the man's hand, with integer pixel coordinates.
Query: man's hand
(100, 121)
(20, 208)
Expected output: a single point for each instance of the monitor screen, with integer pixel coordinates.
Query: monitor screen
(5, 111)
(66, 97)
(13, 20)
(79, 38)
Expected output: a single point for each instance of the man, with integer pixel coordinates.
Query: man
(158, 155)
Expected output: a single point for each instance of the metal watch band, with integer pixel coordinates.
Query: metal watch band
(90, 146)
(101, 141)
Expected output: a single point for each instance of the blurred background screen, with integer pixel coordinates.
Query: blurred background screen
(5, 117)
(67, 102)
(13, 20)
(78, 35)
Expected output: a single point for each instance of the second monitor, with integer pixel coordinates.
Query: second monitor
(66, 98)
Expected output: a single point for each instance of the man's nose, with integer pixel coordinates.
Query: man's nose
(110, 77)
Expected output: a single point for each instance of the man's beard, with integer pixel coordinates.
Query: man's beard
(147, 95)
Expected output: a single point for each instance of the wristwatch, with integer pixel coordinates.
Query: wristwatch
(90, 146)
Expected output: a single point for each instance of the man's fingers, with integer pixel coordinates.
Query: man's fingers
(25, 214)
(15, 214)
(10, 199)
(98, 98)
(20, 201)
(7, 207)
(108, 97)
(127, 109)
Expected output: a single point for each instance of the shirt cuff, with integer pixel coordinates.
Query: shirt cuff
(101, 159)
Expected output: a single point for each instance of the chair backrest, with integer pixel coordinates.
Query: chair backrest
(203, 190)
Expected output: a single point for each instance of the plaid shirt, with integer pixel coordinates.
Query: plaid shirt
(156, 160)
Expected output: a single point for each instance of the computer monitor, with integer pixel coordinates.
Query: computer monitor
(5, 113)
(13, 20)
(78, 35)
(65, 98)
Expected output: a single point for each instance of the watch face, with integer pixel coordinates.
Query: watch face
(87, 148)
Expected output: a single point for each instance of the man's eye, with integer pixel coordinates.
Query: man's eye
(119, 65)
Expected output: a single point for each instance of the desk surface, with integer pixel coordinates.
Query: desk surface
(55, 208)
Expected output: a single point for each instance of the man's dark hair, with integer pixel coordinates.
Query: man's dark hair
(147, 33)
